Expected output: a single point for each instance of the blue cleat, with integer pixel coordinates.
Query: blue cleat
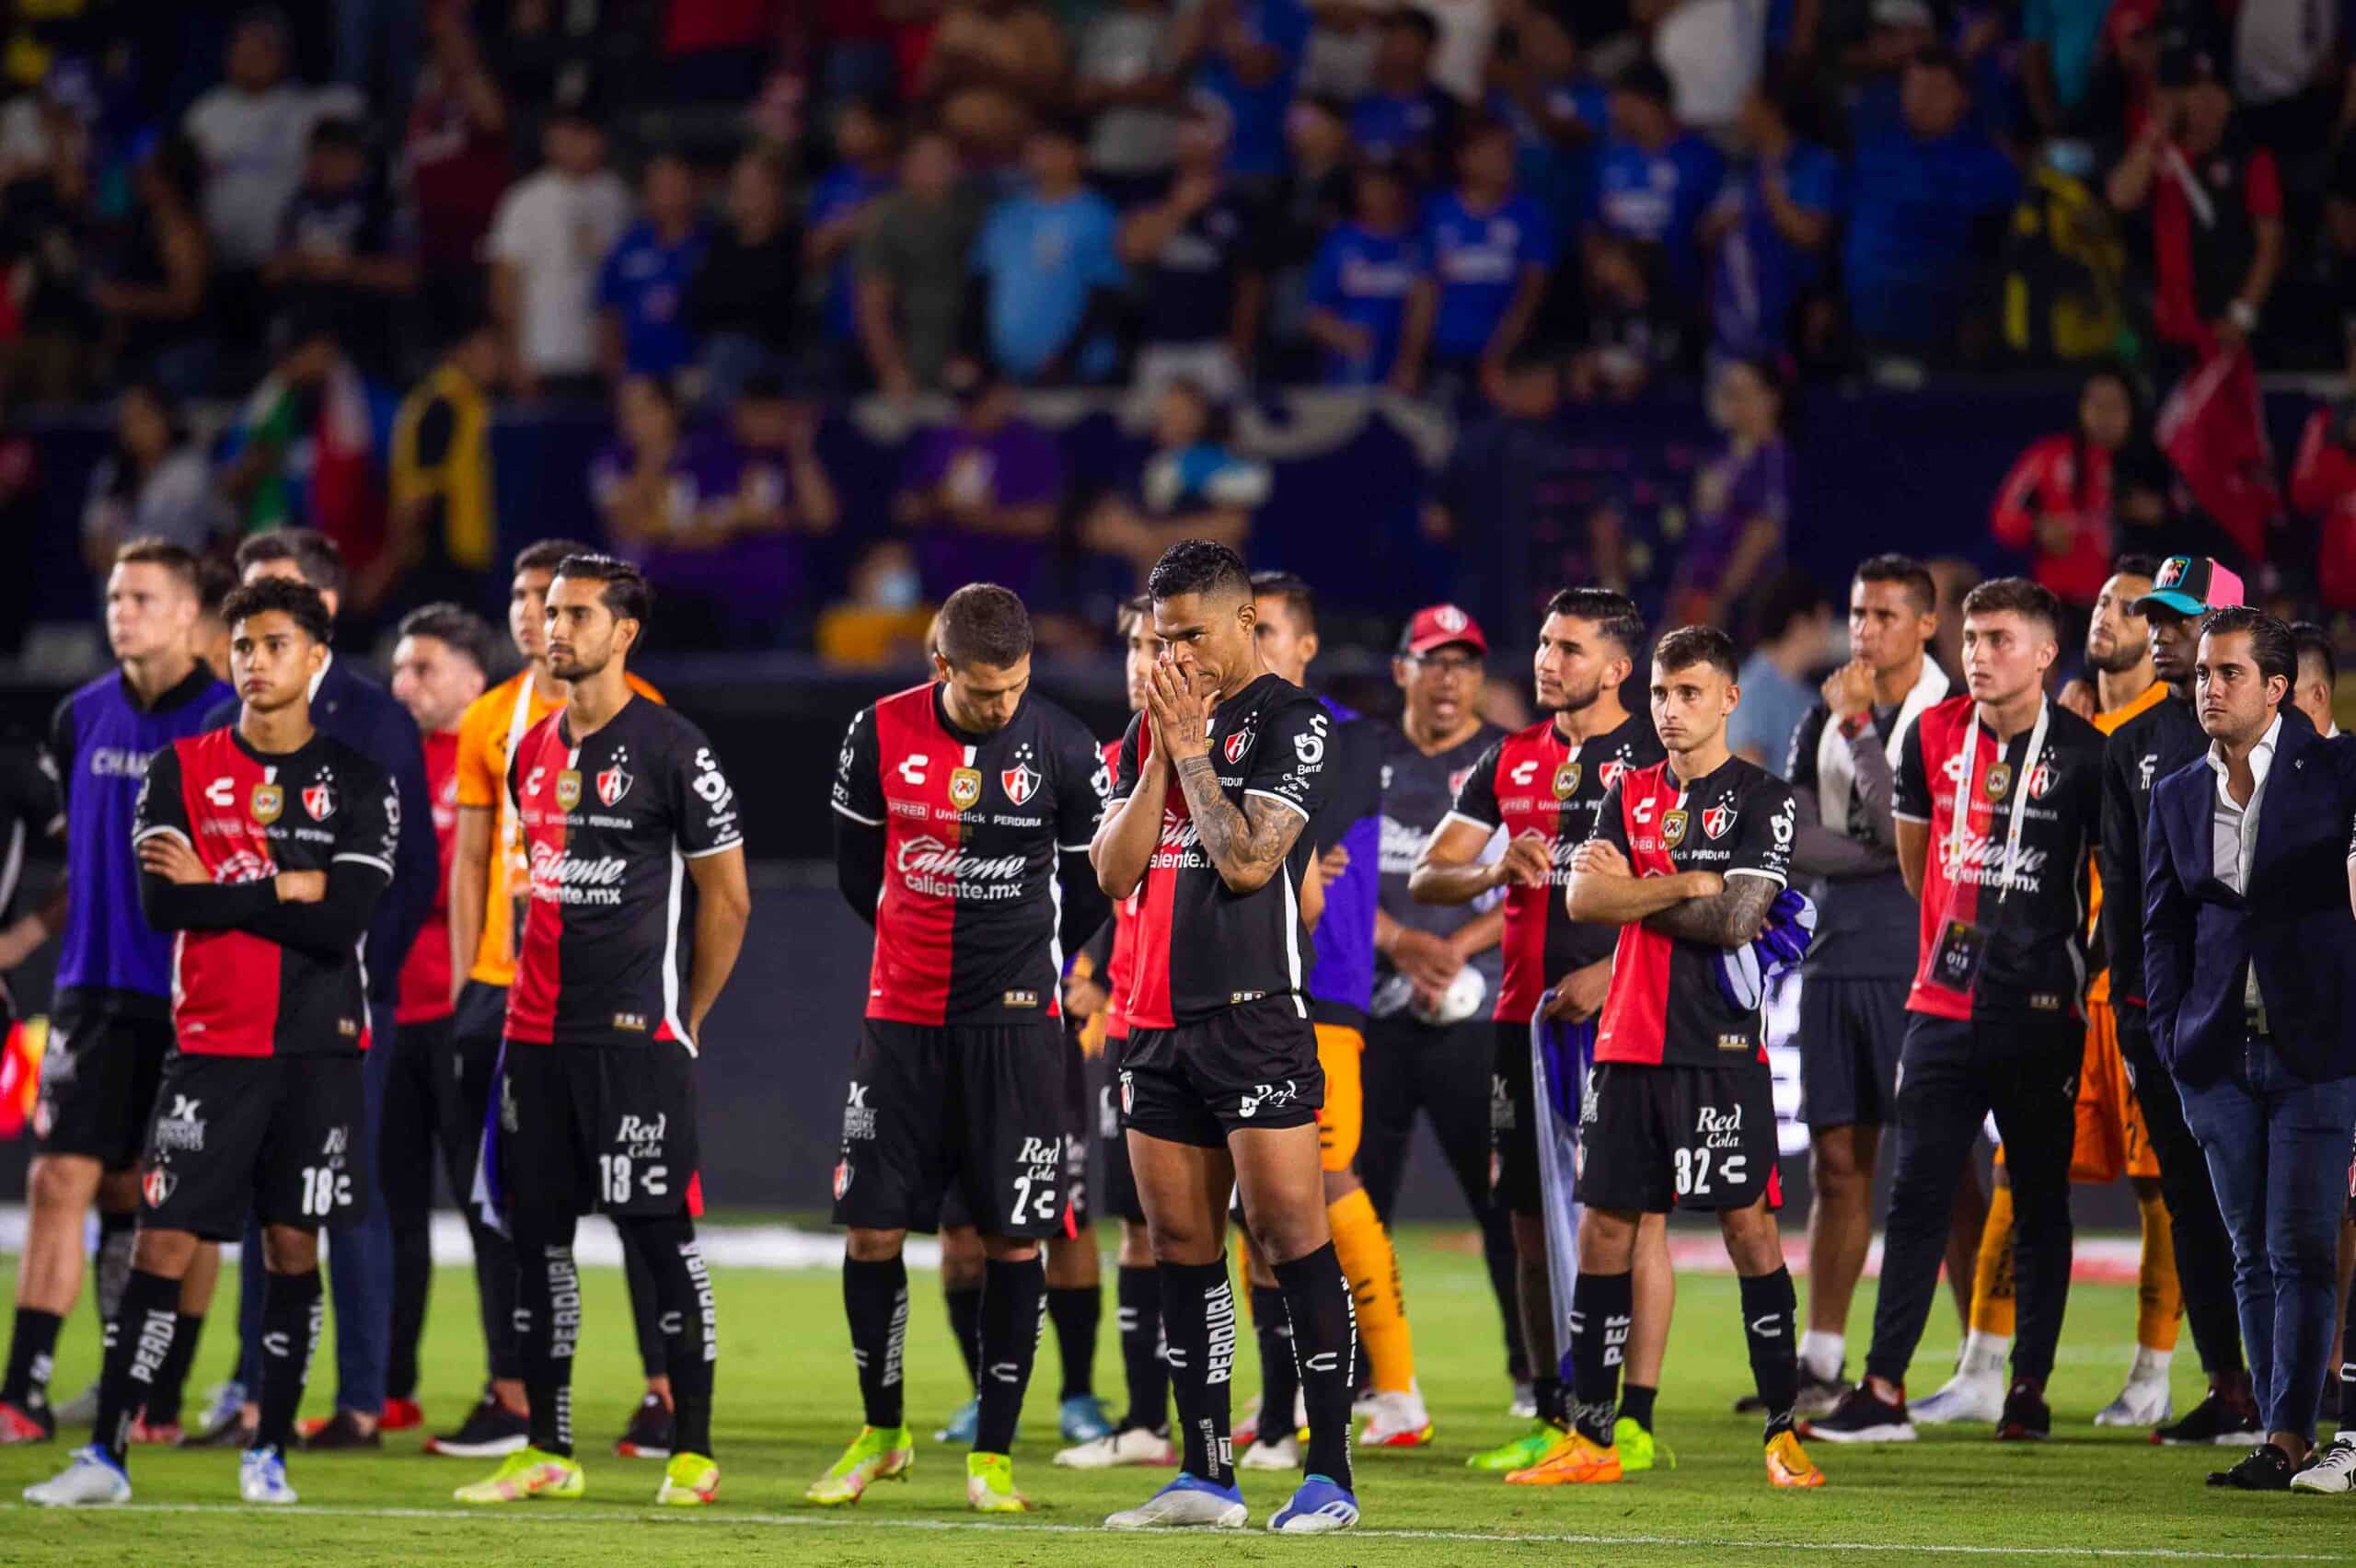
(963, 1425)
(1318, 1508)
(1187, 1504)
(1084, 1420)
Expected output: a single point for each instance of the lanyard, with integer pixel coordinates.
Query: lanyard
(512, 840)
(2019, 796)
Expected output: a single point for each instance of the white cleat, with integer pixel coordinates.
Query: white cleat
(1133, 1446)
(1184, 1505)
(1968, 1396)
(261, 1478)
(82, 1409)
(2145, 1401)
(2332, 1469)
(90, 1481)
(1284, 1454)
(1396, 1421)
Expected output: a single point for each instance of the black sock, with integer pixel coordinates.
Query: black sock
(1768, 1308)
(171, 1382)
(875, 1300)
(1601, 1307)
(116, 1233)
(495, 1295)
(292, 1311)
(1280, 1367)
(964, 1305)
(645, 1315)
(548, 1316)
(1198, 1322)
(1546, 1393)
(1324, 1342)
(1075, 1310)
(2347, 1372)
(1636, 1403)
(32, 1350)
(1138, 1296)
(412, 1281)
(1014, 1296)
(138, 1340)
(688, 1319)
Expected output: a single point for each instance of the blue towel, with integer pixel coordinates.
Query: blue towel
(1745, 974)
(489, 1195)
(1560, 1055)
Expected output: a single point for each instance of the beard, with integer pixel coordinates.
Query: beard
(2121, 657)
(576, 668)
(1580, 698)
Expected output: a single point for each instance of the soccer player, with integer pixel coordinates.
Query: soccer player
(2147, 748)
(622, 806)
(1100, 994)
(111, 1028)
(1437, 966)
(2111, 1141)
(489, 875)
(1541, 788)
(1220, 1085)
(962, 806)
(439, 664)
(2007, 785)
(1348, 833)
(1853, 992)
(263, 849)
(1688, 859)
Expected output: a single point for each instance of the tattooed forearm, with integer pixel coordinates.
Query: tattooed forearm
(1728, 921)
(1249, 846)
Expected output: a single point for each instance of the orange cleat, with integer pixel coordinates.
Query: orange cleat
(1575, 1459)
(1788, 1464)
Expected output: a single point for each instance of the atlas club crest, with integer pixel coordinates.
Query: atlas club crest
(612, 785)
(319, 801)
(1020, 784)
(1717, 820)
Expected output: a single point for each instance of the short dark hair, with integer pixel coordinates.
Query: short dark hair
(626, 591)
(465, 631)
(299, 602)
(2133, 565)
(2307, 637)
(1645, 77)
(318, 558)
(547, 555)
(148, 549)
(1614, 615)
(984, 624)
(1790, 596)
(1692, 645)
(2270, 641)
(214, 583)
(1293, 589)
(1922, 588)
(1135, 609)
(1198, 566)
(1413, 21)
(2019, 596)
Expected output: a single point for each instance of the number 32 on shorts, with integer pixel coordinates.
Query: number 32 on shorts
(1035, 1187)
(1703, 1171)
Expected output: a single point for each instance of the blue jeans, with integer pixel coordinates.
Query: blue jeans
(359, 1260)
(2276, 1147)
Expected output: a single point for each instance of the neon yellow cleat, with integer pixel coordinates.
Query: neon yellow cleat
(1521, 1453)
(527, 1474)
(989, 1485)
(689, 1481)
(875, 1455)
(1639, 1449)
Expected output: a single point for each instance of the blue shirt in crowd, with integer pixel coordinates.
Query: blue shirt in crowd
(645, 281)
(1907, 262)
(1042, 259)
(845, 188)
(1659, 197)
(1387, 126)
(1256, 143)
(1476, 258)
(1758, 275)
(1364, 278)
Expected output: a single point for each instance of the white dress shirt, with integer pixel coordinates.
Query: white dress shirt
(2233, 837)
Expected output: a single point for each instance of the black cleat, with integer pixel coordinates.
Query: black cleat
(491, 1431)
(2027, 1418)
(1861, 1416)
(648, 1436)
(2267, 1469)
(2215, 1420)
(339, 1431)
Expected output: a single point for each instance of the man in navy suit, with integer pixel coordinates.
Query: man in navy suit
(2250, 971)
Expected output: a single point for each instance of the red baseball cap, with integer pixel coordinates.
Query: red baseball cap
(1436, 625)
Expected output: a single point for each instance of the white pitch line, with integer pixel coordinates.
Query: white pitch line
(456, 1515)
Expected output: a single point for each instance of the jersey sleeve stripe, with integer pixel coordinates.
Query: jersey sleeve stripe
(842, 810)
(1908, 816)
(736, 843)
(1776, 877)
(384, 866)
(1469, 822)
(1271, 795)
(162, 830)
(1075, 849)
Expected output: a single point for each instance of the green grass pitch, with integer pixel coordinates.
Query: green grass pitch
(787, 1403)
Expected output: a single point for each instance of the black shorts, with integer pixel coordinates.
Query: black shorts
(935, 1109)
(1117, 1182)
(1850, 1034)
(1080, 1129)
(1252, 1066)
(283, 1138)
(97, 1084)
(1655, 1138)
(598, 1129)
(1514, 1177)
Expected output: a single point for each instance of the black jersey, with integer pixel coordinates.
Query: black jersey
(1536, 782)
(252, 976)
(1202, 948)
(1666, 1006)
(2139, 754)
(30, 809)
(2003, 914)
(966, 848)
(609, 823)
(1418, 791)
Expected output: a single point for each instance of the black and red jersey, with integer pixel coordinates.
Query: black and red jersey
(1121, 963)
(1536, 781)
(1665, 1007)
(975, 834)
(2008, 915)
(250, 815)
(1202, 947)
(609, 822)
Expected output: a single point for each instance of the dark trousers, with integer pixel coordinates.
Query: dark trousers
(2024, 1068)
(1443, 1073)
(2276, 1147)
(2204, 1251)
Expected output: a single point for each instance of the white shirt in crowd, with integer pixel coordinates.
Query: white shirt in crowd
(2278, 44)
(1711, 52)
(555, 229)
(254, 146)
(177, 502)
(2232, 837)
